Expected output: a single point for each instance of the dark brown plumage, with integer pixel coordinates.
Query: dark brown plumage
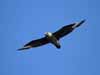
(53, 37)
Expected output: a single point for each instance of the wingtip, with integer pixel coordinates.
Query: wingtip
(79, 23)
(24, 48)
(83, 21)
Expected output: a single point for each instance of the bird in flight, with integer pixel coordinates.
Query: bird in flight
(52, 37)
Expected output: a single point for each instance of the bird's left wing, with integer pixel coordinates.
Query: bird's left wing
(35, 43)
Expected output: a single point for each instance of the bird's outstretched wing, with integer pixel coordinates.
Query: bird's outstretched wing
(66, 29)
(63, 31)
(35, 43)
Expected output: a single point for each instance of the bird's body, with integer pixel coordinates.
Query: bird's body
(53, 37)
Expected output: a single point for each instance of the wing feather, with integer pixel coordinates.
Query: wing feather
(63, 31)
(38, 42)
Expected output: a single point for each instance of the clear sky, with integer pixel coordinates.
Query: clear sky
(24, 20)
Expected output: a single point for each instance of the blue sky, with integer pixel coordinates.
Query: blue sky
(24, 20)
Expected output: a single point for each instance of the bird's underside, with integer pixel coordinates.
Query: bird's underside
(52, 37)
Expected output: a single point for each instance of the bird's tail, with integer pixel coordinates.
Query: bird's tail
(78, 24)
(24, 48)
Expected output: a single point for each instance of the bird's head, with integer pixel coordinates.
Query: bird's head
(48, 34)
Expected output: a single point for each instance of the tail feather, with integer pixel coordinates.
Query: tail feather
(58, 46)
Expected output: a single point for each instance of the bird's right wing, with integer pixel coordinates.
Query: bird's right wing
(67, 29)
(63, 31)
(35, 43)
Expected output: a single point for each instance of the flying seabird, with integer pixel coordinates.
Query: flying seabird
(52, 37)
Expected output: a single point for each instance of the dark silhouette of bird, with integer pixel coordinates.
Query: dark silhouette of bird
(53, 37)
